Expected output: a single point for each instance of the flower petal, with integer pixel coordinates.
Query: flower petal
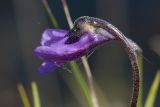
(47, 54)
(58, 47)
(47, 67)
(61, 52)
(52, 35)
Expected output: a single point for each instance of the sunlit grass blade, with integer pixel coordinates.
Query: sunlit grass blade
(35, 93)
(23, 95)
(153, 91)
(140, 64)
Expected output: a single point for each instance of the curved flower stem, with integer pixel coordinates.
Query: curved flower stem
(133, 50)
(133, 58)
(140, 64)
(84, 60)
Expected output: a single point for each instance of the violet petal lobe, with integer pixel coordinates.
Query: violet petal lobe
(51, 36)
(61, 52)
(54, 48)
(47, 67)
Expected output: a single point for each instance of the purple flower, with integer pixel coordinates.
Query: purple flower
(58, 47)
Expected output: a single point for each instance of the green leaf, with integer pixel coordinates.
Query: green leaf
(81, 81)
(50, 14)
(153, 91)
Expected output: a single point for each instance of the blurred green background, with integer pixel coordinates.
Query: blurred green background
(22, 23)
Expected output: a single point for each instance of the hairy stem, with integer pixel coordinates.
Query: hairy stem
(132, 50)
(84, 60)
(140, 63)
(134, 63)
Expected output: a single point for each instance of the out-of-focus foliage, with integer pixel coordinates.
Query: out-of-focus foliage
(153, 91)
